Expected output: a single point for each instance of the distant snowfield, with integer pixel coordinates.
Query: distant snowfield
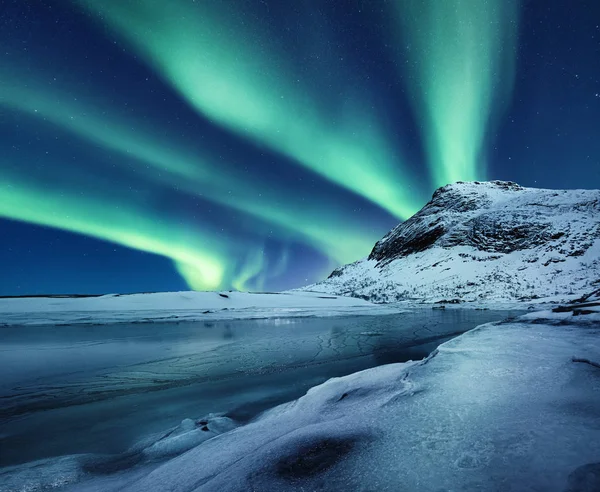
(506, 406)
(180, 306)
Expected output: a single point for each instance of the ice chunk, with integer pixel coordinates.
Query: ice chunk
(188, 435)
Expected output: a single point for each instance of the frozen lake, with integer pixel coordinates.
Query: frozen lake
(99, 389)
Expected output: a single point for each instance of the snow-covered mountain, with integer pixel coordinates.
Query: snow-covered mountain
(483, 241)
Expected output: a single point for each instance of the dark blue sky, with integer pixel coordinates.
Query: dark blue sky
(257, 145)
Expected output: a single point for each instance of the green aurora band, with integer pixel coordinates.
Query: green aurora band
(233, 77)
(462, 53)
(319, 222)
(457, 48)
(201, 259)
(253, 267)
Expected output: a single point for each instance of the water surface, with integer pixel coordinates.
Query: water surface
(99, 389)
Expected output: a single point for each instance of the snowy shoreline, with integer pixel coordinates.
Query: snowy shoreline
(177, 307)
(169, 307)
(499, 407)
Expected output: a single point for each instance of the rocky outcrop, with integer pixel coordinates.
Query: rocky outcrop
(483, 240)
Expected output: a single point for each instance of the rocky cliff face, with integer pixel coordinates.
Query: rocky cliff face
(483, 241)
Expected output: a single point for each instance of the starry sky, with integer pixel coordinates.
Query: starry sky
(152, 145)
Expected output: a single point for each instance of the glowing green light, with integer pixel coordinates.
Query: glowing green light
(319, 221)
(197, 256)
(461, 63)
(252, 270)
(231, 75)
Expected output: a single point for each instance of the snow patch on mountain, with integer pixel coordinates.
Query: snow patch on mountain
(483, 241)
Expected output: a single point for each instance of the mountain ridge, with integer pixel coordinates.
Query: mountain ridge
(478, 241)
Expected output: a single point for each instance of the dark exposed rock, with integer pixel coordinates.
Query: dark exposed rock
(591, 296)
(443, 222)
(575, 307)
(337, 272)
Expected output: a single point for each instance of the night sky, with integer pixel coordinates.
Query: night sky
(150, 145)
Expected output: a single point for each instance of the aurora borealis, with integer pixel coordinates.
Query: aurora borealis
(202, 50)
(256, 144)
(463, 55)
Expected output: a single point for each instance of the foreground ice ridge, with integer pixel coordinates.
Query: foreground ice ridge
(483, 241)
(508, 406)
(57, 473)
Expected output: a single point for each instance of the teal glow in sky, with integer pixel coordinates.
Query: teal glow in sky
(225, 68)
(320, 221)
(200, 257)
(461, 60)
(257, 145)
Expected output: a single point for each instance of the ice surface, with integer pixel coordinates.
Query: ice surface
(46, 474)
(501, 408)
(509, 406)
(98, 389)
(102, 470)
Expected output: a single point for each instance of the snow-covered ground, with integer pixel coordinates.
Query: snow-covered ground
(483, 242)
(509, 406)
(178, 306)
